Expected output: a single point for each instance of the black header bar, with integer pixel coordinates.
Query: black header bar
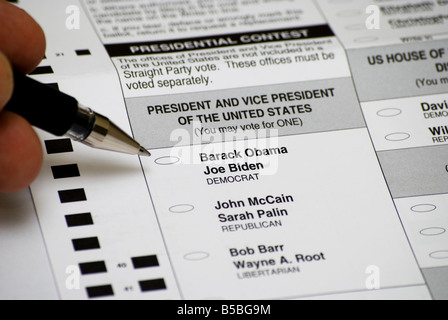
(218, 41)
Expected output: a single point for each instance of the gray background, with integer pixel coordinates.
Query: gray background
(416, 172)
(340, 112)
(389, 81)
(437, 282)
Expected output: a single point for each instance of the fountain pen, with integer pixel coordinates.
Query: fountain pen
(61, 115)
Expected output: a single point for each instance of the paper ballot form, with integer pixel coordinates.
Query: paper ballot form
(299, 151)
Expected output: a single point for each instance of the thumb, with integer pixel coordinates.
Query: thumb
(6, 81)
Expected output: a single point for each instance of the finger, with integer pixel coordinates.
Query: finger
(21, 38)
(6, 81)
(22, 42)
(20, 153)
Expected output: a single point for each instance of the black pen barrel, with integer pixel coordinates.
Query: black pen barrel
(43, 106)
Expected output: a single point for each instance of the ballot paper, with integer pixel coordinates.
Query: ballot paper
(299, 151)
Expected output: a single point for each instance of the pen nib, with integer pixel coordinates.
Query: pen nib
(143, 152)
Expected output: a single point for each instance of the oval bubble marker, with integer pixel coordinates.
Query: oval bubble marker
(356, 27)
(366, 39)
(196, 256)
(349, 13)
(423, 208)
(441, 255)
(340, 1)
(430, 232)
(398, 136)
(166, 161)
(181, 208)
(389, 112)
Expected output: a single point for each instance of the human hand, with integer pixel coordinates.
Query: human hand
(22, 46)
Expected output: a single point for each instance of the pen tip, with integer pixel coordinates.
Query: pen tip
(143, 152)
